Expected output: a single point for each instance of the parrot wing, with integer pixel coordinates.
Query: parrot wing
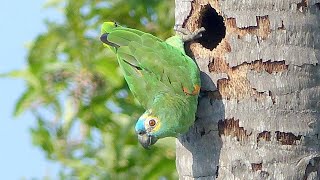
(152, 66)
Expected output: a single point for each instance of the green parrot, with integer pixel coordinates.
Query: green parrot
(162, 78)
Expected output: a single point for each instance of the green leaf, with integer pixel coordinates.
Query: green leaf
(24, 102)
(70, 77)
(26, 75)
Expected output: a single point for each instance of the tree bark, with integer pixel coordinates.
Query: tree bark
(259, 110)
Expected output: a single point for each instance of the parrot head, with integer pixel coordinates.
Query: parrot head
(147, 128)
(160, 122)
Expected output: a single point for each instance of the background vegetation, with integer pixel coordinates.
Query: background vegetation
(85, 113)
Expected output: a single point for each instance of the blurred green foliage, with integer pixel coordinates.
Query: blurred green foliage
(75, 90)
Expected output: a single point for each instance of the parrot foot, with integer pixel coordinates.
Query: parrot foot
(189, 36)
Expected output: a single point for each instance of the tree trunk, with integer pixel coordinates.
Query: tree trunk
(259, 110)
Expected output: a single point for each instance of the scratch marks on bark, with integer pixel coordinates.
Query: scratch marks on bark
(237, 86)
(262, 29)
(220, 66)
(281, 27)
(231, 127)
(268, 66)
(265, 135)
(287, 138)
(187, 17)
(256, 166)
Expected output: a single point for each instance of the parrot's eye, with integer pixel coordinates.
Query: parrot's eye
(152, 122)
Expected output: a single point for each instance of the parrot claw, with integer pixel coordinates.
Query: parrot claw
(189, 36)
(181, 30)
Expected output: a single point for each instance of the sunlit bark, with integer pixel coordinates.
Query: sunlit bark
(259, 112)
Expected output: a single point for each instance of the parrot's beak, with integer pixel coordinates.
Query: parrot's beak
(146, 140)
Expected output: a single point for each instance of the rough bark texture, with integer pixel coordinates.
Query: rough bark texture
(259, 113)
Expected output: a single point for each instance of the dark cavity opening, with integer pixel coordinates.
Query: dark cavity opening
(215, 28)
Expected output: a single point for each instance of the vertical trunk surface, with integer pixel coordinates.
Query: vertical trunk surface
(259, 112)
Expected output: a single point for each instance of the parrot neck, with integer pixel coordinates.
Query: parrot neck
(176, 41)
(175, 112)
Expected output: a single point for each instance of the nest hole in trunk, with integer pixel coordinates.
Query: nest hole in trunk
(214, 25)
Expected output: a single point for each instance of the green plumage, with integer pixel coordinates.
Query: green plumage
(160, 75)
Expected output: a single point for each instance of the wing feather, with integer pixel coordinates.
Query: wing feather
(151, 66)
